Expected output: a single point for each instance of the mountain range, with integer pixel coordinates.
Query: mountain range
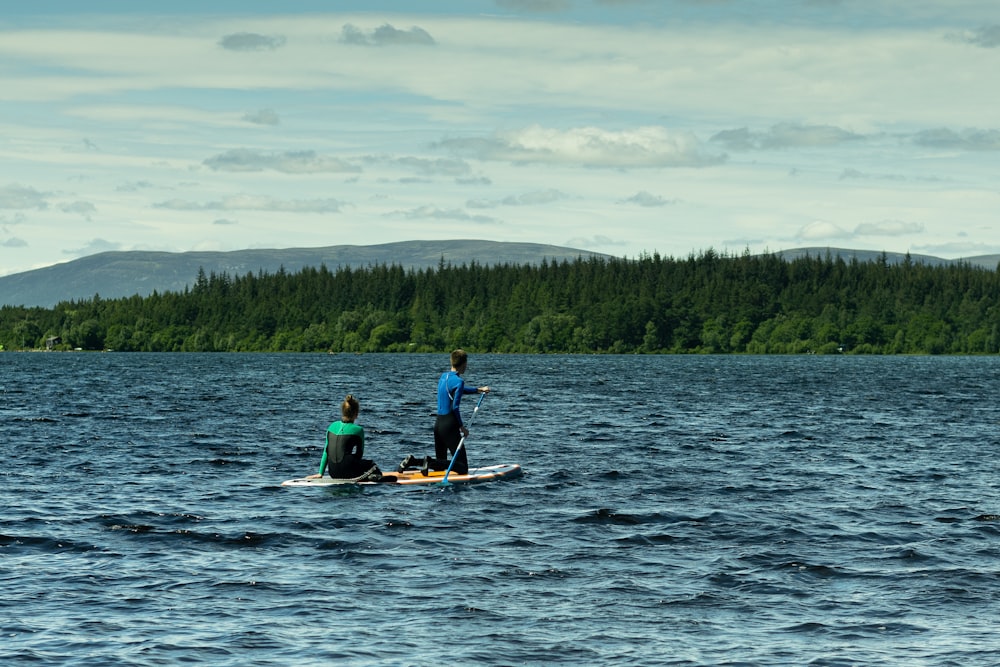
(126, 273)
(983, 261)
(119, 274)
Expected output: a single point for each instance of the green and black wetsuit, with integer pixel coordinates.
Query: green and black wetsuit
(345, 448)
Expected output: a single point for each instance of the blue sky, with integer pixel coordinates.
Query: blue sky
(618, 126)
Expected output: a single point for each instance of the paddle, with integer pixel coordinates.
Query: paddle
(461, 443)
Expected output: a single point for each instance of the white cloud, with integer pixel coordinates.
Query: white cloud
(93, 247)
(646, 199)
(159, 117)
(423, 166)
(262, 117)
(435, 213)
(19, 196)
(851, 173)
(987, 37)
(83, 208)
(596, 241)
(248, 41)
(968, 140)
(535, 198)
(255, 203)
(785, 135)
(535, 5)
(134, 186)
(289, 162)
(888, 228)
(821, 230)
(957, 249)
(642, 147)
(386, 35)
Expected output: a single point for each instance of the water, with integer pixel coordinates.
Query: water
(674, 511)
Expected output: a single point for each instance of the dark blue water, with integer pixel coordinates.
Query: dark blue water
(674, 511)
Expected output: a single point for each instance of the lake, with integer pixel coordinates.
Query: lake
(674, 510)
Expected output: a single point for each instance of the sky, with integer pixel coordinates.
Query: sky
(626, 127)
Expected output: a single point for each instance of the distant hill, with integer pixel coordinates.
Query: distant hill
(984, 261)
(122, 274)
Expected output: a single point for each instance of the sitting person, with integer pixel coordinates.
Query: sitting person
(345, 448)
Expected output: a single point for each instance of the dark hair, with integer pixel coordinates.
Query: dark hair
(349, 408)
(459, 358)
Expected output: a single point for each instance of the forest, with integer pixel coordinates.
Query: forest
(706, 303)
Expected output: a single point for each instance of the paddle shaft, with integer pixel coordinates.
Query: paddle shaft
(461, 443)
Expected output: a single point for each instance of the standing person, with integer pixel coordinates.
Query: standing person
(345, 447)
(448, 427)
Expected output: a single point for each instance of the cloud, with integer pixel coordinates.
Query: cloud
(819, 230)
(589, 146)
(851, 174)
(262, 117)
(968, 140)
(249, 41)
(18, 196)
(535, 198)
(435, 213)
(223, 221)
(957, 249)
(288, 162)
(823, 229)
(596, 241)
(14, 242)
(643, 198)
(987, 37)
(93, 247)
(386, 35)
(426, 166)
(133, 186)
(856, 174)
(475, 180)
(86, 209)
(888, 228)
(255, 203)
(785, 135)
(534, 5)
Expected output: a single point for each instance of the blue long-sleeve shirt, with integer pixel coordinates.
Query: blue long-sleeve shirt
(451, 387)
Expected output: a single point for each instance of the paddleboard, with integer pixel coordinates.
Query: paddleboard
(414, 478)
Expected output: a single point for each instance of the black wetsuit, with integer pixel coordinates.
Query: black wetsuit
(345, 448)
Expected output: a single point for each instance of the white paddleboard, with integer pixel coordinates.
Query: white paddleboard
(413, 477)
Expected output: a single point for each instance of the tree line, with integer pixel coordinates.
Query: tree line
(705, 303)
